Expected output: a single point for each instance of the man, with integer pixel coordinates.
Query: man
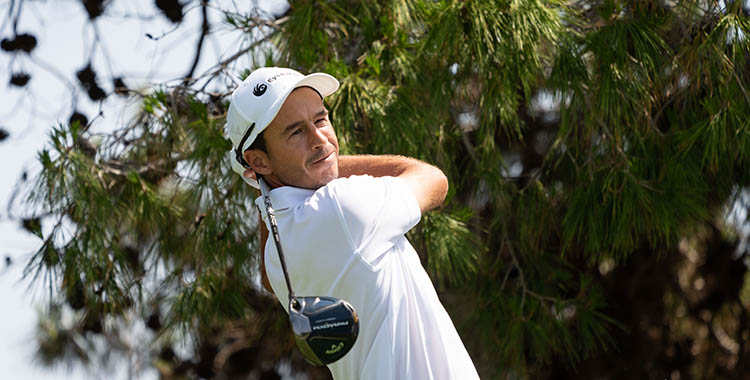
(342, 221)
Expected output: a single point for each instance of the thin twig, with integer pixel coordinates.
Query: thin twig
(54, 71)
(541, 297)
(205, 28)
(470, 149)
(524, 288)
(10, 15)
(520, 275)
(742, 88)
(98, 41)
(123, 168)
(221, 66)
(18, 16)
(505, 278)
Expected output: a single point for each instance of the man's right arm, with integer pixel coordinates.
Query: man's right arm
(428, 183)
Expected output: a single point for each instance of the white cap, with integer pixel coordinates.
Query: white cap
(259, 98)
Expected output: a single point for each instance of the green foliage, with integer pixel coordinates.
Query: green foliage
(556, 208)
(450, 258)
(133, 212)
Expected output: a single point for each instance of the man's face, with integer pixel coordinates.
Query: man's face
(301, 144)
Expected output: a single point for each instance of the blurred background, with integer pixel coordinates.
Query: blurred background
(598, 154)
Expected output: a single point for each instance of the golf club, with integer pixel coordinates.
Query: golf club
(325, 328)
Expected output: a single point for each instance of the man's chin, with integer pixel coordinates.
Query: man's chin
(314, 182)
(328, 176)
(327, 173)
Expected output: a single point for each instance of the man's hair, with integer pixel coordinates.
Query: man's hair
(259, 143)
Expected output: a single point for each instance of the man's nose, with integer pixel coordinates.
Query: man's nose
(317, 137)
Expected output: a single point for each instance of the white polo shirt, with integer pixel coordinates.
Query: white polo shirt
(346, 240)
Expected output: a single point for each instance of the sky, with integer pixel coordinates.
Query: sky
(65, 41)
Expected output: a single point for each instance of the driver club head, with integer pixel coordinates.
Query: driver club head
(325, 328)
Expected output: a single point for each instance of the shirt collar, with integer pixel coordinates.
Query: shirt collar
(284, 198)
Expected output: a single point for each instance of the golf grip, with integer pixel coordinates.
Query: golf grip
(275, 232)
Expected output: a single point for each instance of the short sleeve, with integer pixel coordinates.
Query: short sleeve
(376, 212)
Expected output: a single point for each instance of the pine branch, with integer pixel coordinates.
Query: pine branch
(524, 289)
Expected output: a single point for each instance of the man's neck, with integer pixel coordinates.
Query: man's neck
(273, 181)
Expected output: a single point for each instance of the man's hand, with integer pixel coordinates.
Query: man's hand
(428, 183)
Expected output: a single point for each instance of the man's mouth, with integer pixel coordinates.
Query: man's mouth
(320, 158)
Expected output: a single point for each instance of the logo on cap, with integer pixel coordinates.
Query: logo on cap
(259, 89)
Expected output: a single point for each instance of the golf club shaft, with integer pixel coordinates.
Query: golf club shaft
(265, 190)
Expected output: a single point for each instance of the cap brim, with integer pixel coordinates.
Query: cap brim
(321, 82)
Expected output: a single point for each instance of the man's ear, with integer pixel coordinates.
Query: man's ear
(258, 161)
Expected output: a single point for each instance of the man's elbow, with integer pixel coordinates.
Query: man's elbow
(441, 186)
(428, 183)
(437, 189)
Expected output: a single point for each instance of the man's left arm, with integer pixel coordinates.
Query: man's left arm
(427, 183)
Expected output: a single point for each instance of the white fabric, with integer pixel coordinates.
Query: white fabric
(346, 240)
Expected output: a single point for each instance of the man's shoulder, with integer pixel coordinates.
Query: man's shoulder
(363, 183)
(355, 180)
(359, 193)
(357, 189)
(368, 195)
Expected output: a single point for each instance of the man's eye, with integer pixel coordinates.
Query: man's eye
(320, 120)
(297, 131)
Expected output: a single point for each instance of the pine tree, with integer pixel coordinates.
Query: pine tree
(595, 150)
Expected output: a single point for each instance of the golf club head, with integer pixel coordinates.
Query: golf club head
(325, 328)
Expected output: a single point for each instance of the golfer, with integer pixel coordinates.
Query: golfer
(342, 220)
